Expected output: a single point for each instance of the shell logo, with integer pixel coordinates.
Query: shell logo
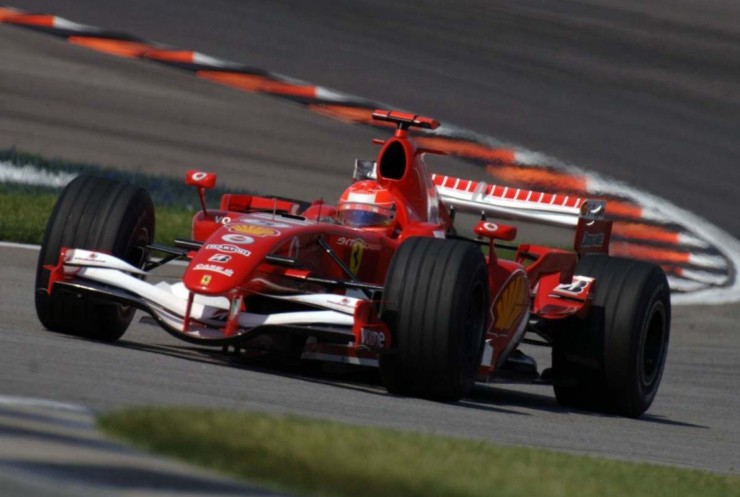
(355, 260)
(251, 229)
(510, 306)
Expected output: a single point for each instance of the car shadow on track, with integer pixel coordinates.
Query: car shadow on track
(495, 394)
(494, 397)
(365, 379)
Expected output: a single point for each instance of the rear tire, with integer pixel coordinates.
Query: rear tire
(613, 361)
(99, 214)
(435, 302)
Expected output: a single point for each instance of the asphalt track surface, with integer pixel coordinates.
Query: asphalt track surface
(647, 97)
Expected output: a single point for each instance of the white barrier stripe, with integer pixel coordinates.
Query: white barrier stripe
(712, 261)
(206, 60)
(33, 176)
(66, 24)
(692, 241)
(684, 285)
(704, 277)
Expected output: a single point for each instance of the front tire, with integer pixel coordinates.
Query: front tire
(99, 214)
(435, 302)
(614, 360)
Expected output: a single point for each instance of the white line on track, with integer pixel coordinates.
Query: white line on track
(23, 246)
(11, 401)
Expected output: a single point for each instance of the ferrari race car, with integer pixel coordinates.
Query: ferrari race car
(382, 279)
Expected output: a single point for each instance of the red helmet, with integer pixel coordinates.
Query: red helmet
(366, 204)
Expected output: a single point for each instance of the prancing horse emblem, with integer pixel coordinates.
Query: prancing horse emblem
(356, 258)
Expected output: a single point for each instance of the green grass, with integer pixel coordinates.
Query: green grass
(23, 218)
(25, 209)
(164, 190)
(312, 457)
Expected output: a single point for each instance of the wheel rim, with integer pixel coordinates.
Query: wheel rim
(653, 349)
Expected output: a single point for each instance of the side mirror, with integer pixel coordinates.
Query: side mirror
(203, 181)
(200, 179)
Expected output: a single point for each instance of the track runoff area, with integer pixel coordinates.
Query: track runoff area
(700, 259)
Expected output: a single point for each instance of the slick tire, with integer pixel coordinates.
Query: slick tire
(613, 361)
(97, 214)
(435, 302)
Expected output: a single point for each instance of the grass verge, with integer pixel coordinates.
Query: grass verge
(312, 457)
(30, 184)
(23, 218)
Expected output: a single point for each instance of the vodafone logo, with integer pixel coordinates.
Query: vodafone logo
(349, 242)
(371, 338)
(198, 176)
(238, 239)
(490, 227)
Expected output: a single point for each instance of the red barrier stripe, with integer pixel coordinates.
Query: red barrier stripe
(539, 178)
(653, 254)
(466, 149)
(129, 49)
(258, 84)
(623, 209)
(350, 114)
(182, 56)
(645, 232)
(37, 20)
(6, 14)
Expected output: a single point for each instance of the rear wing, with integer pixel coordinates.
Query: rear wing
(587, 217)
(514, 203)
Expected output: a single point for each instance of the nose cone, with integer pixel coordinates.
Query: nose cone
(218, 268)
(229, 257)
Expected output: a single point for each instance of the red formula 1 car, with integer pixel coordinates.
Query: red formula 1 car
(380, 279)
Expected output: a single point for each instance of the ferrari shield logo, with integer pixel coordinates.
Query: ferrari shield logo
(355, 259)
(205, 280)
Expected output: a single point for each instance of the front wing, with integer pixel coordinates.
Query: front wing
(330, 319)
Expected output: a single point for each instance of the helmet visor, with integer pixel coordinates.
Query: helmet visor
(363, 215)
